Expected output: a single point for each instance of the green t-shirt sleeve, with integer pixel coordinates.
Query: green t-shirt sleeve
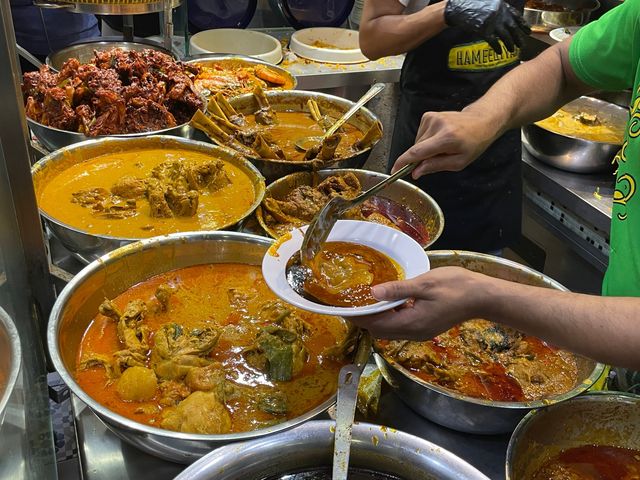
(604, 54)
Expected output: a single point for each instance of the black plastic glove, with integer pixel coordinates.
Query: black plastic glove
(493, 20)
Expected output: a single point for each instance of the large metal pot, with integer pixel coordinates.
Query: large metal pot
(572, 153)
(574, 13)
(296, 101)
(461, 412)
(402, 192)
(84, 51)
(598, 418)
(310, 448)
(89, 246)
(10, 359)
(114, 273)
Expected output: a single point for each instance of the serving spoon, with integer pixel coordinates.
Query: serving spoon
(346, 408)
(305, 143)
(298, 270)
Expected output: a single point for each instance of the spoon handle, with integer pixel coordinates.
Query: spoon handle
(373, 91)
(345, 411)
(406, 170)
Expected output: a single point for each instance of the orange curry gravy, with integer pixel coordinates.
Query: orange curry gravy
(56, 186)
(204, 297)
(485, 360)
(343, 274)
(592, 462)
(290, 126)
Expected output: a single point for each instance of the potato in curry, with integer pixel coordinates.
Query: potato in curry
(209, 349)
(141, 193)
(486, 360)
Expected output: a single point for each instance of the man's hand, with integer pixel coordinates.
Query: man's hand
(493, 20)
(449, 141)
(439, 299)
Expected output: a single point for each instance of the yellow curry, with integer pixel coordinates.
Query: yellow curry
(142, 193)
(593, 127)
(209, 349)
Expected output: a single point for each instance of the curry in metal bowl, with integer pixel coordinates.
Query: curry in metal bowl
(136, 189)
(209, 349)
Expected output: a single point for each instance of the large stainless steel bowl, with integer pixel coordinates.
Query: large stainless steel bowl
(206, 60)
(402, 192)
(84, 51)
(598, 418)
(10, 360)
(88, 246)
(114, 273)
(310, 447)
(572, 153)
(467, 414)
(296, 101)
(577, 13)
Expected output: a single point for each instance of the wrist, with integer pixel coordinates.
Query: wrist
(491, 122)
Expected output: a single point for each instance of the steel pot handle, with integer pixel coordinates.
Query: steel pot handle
(38, 3)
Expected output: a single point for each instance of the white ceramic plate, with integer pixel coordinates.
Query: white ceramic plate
(346, 45)
(393, 243)
(560, 34)
(237, 41)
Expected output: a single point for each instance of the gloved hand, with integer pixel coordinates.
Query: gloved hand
(493, 20)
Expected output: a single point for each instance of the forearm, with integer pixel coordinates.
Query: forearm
(383, 34)
(604, 328)
(530, 92)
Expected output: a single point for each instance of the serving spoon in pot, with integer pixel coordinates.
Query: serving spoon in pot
(346, 408)
(305, 143)
(298, 269)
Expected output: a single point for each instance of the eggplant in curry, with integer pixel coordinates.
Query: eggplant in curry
(486, 360)
(209, 349)
(141, 193)
(302, 203)
(270, 134)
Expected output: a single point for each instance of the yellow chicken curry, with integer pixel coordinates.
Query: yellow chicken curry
(588, 126)
(142, 193)
(209, 349)
(486, 360)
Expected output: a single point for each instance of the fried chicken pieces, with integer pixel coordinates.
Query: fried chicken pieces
(117, 92)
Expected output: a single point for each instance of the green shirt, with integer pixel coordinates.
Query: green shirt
(606, 55)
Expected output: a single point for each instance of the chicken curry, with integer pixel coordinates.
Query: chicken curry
(587, 126)
(141, 193)
(209, 349)
(301, 204)
(486, 360)
(592, 462)
(235, 77)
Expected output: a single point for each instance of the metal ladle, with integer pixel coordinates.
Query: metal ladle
(297, 270)
(346, 408)
(305, 143)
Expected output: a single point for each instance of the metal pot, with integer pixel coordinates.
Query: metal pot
(88, 246)
(577, 14)
(10, 360)
(572, 153)
(84, 51)
(206, 60)
(598, 418)
(296, 101)
(467, 414)
(402, 192)
(114, 273)
(310, 447)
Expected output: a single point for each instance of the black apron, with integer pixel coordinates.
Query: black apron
(482, 204)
